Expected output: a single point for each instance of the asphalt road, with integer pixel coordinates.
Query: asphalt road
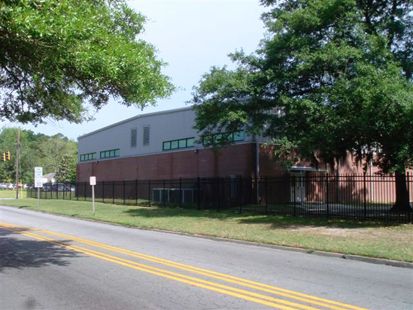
(52, 262)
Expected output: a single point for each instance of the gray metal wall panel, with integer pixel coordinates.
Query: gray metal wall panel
(164, 126)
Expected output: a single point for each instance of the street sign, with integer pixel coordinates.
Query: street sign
(38, 177)
(92, 181)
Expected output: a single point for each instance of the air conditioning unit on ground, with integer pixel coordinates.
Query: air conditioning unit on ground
(173, 195)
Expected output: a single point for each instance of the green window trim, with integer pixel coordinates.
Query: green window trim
(110, 153)
(222, 137)
(178, 144)
(87, 157)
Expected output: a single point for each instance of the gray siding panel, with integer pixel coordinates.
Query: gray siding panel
(164, 126)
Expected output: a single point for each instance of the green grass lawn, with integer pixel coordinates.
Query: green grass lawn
(8, 193)
(373, 239)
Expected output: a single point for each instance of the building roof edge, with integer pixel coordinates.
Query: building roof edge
(133, 118)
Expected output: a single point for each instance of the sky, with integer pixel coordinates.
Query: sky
(191, 36)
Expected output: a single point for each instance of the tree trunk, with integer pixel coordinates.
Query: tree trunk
(402, 195)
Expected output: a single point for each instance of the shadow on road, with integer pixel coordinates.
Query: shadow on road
(18, 252)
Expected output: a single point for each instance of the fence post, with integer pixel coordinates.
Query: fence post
(149, 193)
(103, 191)
(327, 201)
(266, 194)
(365, 194)
(198, 195)
(84, 190)
(180, 192)
(136, 191)
(257, 193)
(113, 192)
(410, 212)
(163, 199)
(124, 192)
(218, 194)
(241, 193)
(295, 195)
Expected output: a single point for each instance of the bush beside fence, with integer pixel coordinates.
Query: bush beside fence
(356, 196)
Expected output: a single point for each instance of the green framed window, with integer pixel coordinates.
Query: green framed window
(222, 137)
(87, 157)
(110, 153)
(184, 143)
(190, 142)
(166, 146)
(174, 145)
(238, 136)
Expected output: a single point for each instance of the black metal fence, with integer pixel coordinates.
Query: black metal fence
(356, 196)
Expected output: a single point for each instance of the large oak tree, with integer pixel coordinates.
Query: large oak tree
(60, 57)
(330, 77)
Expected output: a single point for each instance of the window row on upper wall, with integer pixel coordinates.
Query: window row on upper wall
(87, 157)
(103, 155)
(207, 140)
(178, 144)
(222, 138)
(110, 153)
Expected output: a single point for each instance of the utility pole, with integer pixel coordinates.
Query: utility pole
(17, 162)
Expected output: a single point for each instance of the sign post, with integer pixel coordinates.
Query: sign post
(92, 181)
(38, 181)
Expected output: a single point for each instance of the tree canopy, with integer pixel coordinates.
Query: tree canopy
(60, 57)
(331, 76)
(54, 153)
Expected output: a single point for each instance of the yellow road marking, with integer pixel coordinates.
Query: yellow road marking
(212, 274)
(223, 289)
(225, 277)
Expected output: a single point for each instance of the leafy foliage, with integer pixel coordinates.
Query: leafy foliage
(331, 76)
(66, 170)
(58, 57)
(52, 153)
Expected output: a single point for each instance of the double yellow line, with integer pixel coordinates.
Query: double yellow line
(308, 302)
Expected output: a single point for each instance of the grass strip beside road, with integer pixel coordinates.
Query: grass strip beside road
(11, 193)
(372, 239)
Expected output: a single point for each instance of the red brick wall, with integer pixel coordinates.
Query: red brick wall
(231, 160)
(237, 160)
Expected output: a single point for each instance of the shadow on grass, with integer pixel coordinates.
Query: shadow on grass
(276, 221)
(17, 252)
(153, 212)
(288, 222)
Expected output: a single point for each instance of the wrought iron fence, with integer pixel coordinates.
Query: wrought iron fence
(356, 196)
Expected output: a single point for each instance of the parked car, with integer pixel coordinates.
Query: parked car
(58, 187)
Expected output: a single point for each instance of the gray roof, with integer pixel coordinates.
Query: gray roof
(136, 117)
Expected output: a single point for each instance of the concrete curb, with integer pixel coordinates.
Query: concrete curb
(366, 259)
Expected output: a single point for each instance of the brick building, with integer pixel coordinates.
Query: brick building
(164, 145)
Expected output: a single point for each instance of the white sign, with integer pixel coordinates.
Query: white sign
(92, 181)
(38, 177)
